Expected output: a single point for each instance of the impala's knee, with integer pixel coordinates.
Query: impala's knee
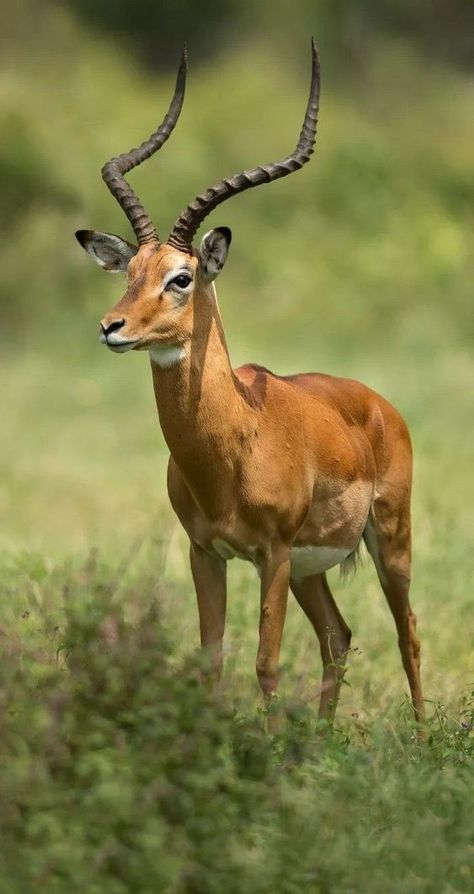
(346, 638)
(413, 637)
(342, 645)
(397, 567)
(336, 644)
(267, 674)
(212, 662)
(408, 642)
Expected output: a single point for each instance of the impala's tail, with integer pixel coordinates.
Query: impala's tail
(350, 565)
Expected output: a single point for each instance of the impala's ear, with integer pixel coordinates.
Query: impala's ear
(213, 251)
(109, 251)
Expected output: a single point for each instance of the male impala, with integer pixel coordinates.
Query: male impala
(290, 473)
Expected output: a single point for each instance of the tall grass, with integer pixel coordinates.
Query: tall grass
(125, 774)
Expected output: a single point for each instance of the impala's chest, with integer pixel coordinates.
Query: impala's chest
(305, 560)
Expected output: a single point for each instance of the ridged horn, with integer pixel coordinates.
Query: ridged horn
(189, 221)
(113, 170)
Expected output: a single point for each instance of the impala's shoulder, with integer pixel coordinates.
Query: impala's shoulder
(250, 371)
(254, 376)
(257, 379)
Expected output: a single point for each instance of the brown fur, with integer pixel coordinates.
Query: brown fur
(264, 463)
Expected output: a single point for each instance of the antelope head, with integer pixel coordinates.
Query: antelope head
(167, 279)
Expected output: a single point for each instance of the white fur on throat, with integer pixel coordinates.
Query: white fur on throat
(166, 356)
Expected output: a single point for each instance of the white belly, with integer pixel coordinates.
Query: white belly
(305, 560)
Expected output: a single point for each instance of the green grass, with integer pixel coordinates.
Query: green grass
(124, 774)
(118, 773)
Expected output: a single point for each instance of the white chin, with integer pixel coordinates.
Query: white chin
(120, 349)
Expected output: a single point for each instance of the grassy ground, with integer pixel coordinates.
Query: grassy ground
(118, 773)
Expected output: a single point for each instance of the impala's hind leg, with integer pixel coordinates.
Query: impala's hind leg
(388, 540)
(317, 602)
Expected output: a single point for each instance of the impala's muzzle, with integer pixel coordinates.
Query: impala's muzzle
(109, 335)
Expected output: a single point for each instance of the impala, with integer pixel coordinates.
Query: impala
(290, 473)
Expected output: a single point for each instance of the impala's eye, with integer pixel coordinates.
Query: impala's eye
(182, 281)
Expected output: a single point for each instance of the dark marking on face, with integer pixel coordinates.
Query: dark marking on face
(134, 289)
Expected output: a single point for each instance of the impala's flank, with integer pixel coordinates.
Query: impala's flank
(289, 473)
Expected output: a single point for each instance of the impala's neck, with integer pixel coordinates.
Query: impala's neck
(202, 413)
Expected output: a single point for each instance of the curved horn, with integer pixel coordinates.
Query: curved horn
(189, 221)
(113, 170)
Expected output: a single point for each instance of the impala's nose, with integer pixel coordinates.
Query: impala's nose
(113, 326)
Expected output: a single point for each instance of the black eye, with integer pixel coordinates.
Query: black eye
(182, 281)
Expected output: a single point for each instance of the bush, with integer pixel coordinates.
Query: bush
(120, 772)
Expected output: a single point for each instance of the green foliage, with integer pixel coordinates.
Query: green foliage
(205, 23)
(28, 183)
(122, 773)
(436, 28)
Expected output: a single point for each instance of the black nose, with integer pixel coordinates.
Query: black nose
(113, 326)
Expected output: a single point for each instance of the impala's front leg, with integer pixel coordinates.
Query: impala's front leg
(209, 575)
(275, 572)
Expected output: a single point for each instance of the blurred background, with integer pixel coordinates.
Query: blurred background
(361, 265)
